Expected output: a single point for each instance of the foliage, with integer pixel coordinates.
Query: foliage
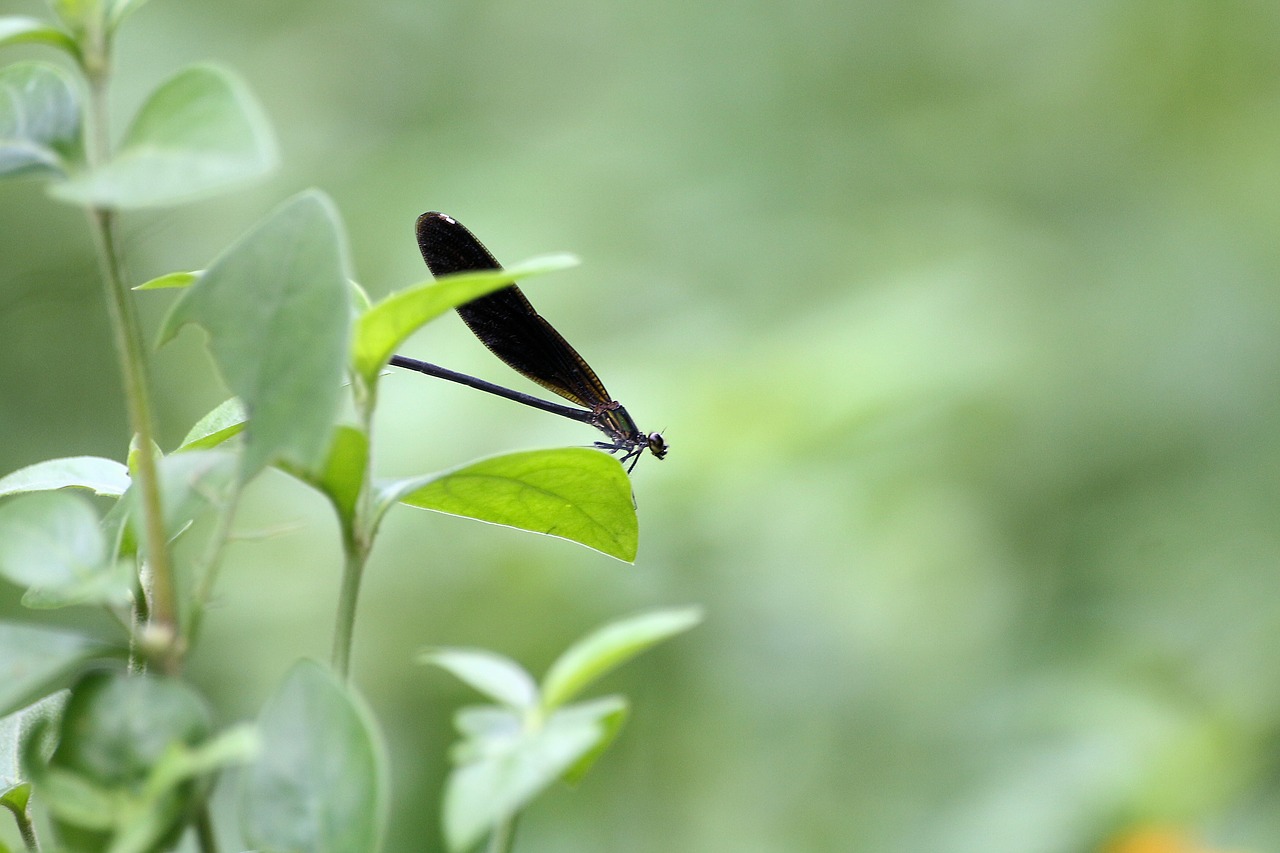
(124, 759)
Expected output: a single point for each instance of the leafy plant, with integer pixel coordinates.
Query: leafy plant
(103, 734)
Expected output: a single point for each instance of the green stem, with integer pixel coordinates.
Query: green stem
(131, 352)
(27, 829)
(357, 538)
(206, 571)
(206, 840)
(355, 556)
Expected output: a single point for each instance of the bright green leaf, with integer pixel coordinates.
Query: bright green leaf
(200, 133)
(342, 476)
(319, 782)
(224, 422)
(102, 476)
(173, 279)
(33, 659)
(492, 674)
(609, 647)
(385, 326)
(502, 776)
(16, 29)
(277, 310)
(39, 120)
(573, 493)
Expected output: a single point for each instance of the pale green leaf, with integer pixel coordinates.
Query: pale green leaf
(224, 422)
(99, 475)
(276, 307)
(492, 674)
(34, 659)
(609, 647)
(319, 782)
(39, 120)
(200, 133)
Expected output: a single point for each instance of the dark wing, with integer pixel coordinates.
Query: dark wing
(504, 321)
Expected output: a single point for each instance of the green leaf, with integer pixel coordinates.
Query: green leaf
(189, 483)
(277, 310)
(382, 328)
(319, 783)
(173, 279)
(224, 422)
(77, 14)
(39, 120)
(123, 756)
(610, 713)
(118, 10)
(498, 776)
(17, 29)
(341, 477)
(573, 493)
(492, 674)
(116, 728)
(14, 731)
(609, 647)
(34, 659)
(101, 476)
(52, 543)
(200, 133)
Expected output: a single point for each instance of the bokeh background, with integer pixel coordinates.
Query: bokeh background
(961, 318)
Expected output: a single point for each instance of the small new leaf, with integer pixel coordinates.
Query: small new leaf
(39, 120)
(608, 648)
(492, 674)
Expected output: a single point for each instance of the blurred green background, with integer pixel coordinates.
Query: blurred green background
(962, 321)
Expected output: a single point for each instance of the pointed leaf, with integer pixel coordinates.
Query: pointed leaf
(574, 493)
(386, 325)
(277, 311)
(118, 10)
(224, 422)
(39, 120)
(173, 279)
(200, 133)
(17, 29)
(77, 14)
(502, 776)
(101, 476)
(319, 782)
(34, 659)
(609, 647)
(492, 674)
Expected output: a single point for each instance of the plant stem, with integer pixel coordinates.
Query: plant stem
(355, 556)
(206, 840)
(27, 829)
(131, 352)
